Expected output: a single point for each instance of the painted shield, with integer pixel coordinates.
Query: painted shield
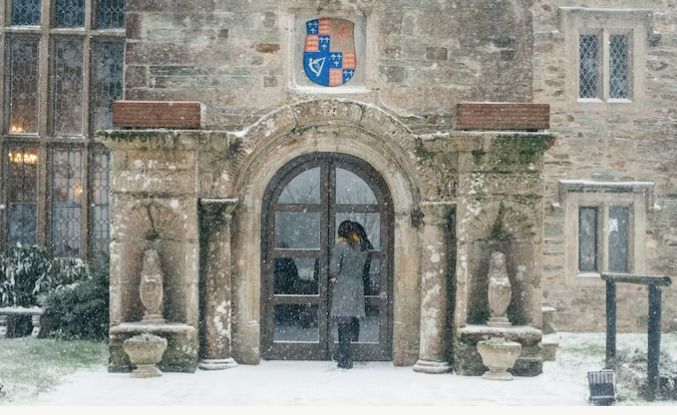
(329, 56)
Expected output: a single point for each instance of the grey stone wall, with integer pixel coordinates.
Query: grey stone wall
(622, 142)
(422, 57)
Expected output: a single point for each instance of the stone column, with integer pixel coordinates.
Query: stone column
(434, 275)
(216, 312)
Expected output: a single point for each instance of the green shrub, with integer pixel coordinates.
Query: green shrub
(29, 272)
(79, 310)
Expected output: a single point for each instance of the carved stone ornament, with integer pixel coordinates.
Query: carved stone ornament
(145, 352)
(500, 291)
(151, 287)
(498, 355)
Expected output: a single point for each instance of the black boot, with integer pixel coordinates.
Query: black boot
(355, 327)
(345, 355)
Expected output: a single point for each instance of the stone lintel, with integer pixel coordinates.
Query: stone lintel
(151, 139)
(467, 141)
(590, 186)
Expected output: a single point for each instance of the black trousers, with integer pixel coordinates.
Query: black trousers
(348, 331)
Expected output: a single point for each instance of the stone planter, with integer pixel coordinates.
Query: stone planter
(498, 355)
(145, 352)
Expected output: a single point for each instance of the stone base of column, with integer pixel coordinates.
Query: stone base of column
(217, 364)
(431, 366)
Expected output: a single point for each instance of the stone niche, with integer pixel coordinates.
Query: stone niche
(154, 207)
(500, 208)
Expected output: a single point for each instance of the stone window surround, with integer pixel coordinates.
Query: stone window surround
(638, 196)
(295, 18)
(636, 23)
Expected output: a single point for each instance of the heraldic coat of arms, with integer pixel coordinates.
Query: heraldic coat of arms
(329, 56)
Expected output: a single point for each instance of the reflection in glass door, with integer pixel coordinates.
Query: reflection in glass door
(304, 205)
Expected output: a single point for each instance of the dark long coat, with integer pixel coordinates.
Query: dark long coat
(347, 265)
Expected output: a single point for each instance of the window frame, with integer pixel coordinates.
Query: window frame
(46, 140)
(576, 194)
(635, 23)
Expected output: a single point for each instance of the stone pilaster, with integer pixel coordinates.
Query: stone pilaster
(434, 275)
(216, 311)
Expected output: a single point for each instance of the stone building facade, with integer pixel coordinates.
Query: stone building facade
(222, 205)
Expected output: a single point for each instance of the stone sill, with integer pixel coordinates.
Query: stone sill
(523, 332)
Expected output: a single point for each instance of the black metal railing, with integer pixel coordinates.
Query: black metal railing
(655, 284)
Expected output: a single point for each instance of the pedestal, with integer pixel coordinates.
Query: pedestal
(181, 354)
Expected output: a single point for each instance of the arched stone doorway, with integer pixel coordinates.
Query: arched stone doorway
(303, 205)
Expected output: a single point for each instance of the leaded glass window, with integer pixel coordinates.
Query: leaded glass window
(587, 239)
(67, 96)
(589, 66)
(619, 84)
(25, 12)
(22, 195)
(69, 13)
(21, 79)
(59, 84)
(100, 206)
(619, 218)
(67, 188)
(107, 59)
(110, 14)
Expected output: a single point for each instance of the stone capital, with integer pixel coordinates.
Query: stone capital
(436, 213)
(218, 211)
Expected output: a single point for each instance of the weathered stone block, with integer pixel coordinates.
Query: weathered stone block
(394, 74)
(436, 53)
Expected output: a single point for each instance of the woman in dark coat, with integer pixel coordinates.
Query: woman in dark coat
(345, 273)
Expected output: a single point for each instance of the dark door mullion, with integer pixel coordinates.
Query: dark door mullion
(325, 256)
(330, 235)
(384, 298)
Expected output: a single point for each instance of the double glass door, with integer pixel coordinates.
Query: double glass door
(304, 205)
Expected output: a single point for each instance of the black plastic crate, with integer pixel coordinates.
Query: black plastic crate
(602, 387)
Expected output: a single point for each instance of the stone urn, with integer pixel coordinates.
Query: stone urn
(498, 355)
(500, 291)
(145, 352)
(151, 287)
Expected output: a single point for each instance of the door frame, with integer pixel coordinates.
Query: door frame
(311, 351)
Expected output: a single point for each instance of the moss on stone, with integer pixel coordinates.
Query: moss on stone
(519, 149)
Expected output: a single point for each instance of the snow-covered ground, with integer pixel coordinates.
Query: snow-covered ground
(375, 383)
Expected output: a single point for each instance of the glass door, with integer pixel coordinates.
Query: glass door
(304, 205)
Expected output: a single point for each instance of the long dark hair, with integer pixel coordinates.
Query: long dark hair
(365, 243)
(354, 233)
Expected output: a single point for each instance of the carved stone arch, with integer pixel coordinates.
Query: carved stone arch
(512, 228)
(157, 224)
(287, 123)
(332, 126)
(152, 220)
